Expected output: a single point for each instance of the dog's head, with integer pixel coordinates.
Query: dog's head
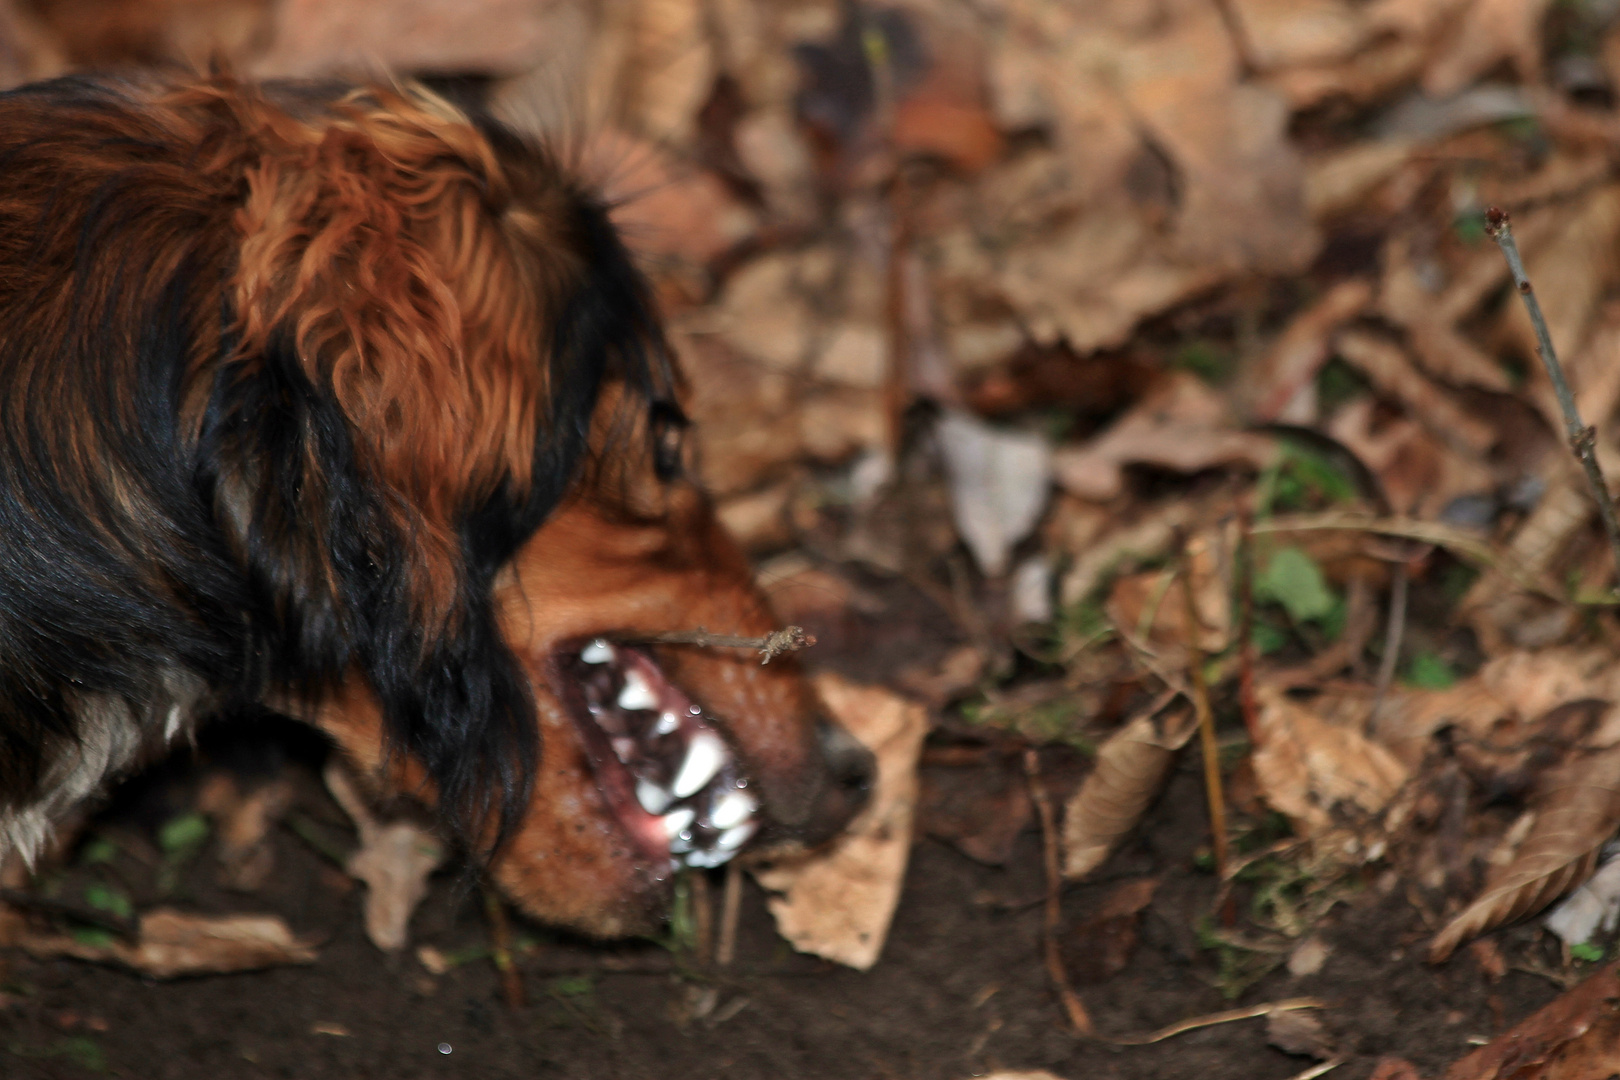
(469, 312)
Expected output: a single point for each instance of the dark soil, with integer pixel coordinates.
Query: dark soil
(960, 990)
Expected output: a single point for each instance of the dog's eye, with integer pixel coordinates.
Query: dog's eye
(668, 429)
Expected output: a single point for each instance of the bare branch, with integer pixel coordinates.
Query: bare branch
(1582, 439)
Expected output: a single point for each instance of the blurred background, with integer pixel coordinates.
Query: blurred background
(1010, 325)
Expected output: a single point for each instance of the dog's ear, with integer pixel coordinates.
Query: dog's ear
(372, 246)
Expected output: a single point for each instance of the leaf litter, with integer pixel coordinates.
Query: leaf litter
(1030, 307)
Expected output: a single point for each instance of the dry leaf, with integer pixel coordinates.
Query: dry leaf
(1491, 31)
(1307, 765)
(170, 944)
(1131, 767)
(244, 822)
(496, 36)
(978, 807)
(1181, 424)
(1294, 1031)
(1284, 33)
(1594, 906)
(1576, 1037)
(1100, 947)
(1292, 361)
(999, 481)
(395, 860)
(837, 903)
(1386, 365)
(1577, 807)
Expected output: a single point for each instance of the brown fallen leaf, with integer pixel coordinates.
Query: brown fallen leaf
(1577, 806)
(1387, 366)
(1490, 32)
(1299, 1032)
(170, 944)
(1181, 424)
(1100, 947)
(980, 807)
(244, 821)
(1576, 1037)
(395, 860)
(1394, 1068)
(837, 902)
(1131, 767)
(1294, 358)
(1308, 765)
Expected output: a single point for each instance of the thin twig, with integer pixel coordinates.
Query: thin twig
(1582, 438)
(725, 950)
(774, 644)
(1206, 719)
(500, 949)
(1072, 1005)
(1394, 631)
(1227, 1017)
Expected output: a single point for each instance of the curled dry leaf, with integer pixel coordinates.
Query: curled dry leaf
(170, 944)
(1577, 807)
(1000, 482)
(1131, 767)
(394, 860)
(837, 902)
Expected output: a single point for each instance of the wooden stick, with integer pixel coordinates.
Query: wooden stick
(786, 640)
(1072, 1005)
(500, 949)
(725, 950)
(1206, 720)
(1582, 438)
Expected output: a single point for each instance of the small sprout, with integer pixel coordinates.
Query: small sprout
(1428, 672)
(181, 837)
(106, 898)
(1586, 952)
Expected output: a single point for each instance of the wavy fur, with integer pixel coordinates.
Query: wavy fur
(286, 376)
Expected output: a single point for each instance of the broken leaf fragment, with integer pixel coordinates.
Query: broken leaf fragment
(171, 943)
(395, 860)
(837, 902)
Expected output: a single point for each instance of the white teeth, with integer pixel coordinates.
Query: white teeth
(652, 798)
(732, 808)
(597, 652)
(636, 693)
(732, 839)
(708, 859)
(677, 821)
(624, 749)
(704, 757)
(667, 723)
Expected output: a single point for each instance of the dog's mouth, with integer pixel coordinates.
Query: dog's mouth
(664, 769)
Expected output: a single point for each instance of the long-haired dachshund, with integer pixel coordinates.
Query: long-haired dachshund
(352, 404)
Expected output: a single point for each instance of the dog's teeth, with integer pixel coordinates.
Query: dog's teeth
(708, 859)
(652, 798)
(624, 749)
(678, 821)
(667, 723)
(704, 757)
(732, 808)
(597, 652)
(636, 693)
(732, 839)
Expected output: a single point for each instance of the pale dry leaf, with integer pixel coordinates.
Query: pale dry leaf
(1492, 31)
(1372, 74)
(1284, 33)
(1577, 807)
(1181, 425)
(1130, 769)
(838, 902)
(395, 860)
(170, 944)
(244, 823)
(1419, 474)
(1338, 181)
(1387, 367)
(494, 36)
(1594, 906)
(1308, 766)
(1301, 349)
(1000, 481)
(1135, 543)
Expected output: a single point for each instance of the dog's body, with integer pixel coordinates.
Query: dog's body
(350, 404)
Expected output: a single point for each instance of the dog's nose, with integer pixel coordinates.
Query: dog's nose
(850, 771)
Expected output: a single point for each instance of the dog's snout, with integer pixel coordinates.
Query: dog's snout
(852, 766)
(850, 771)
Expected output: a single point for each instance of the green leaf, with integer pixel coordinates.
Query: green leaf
(182, 836)
(1428, 672)
(106, 898)
(98, 850)
(93, 936)
(1268, 637)
(1292, 578)
(1586, 952)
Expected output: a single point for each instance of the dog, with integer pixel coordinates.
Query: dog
(350, 402)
